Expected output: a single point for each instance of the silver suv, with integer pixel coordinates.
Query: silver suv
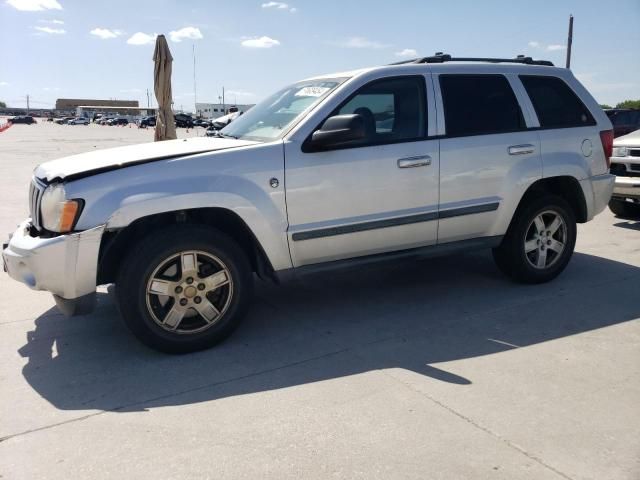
(430, 156)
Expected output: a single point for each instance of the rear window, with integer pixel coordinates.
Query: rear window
(556, 105)
(479, 104)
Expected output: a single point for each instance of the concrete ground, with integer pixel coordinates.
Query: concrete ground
(434, 368)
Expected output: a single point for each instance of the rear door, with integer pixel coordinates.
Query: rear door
(487, 156)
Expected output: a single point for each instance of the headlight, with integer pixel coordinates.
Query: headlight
(620, 151)
(58, 213)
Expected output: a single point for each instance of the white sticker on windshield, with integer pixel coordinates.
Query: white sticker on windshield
(312, 91)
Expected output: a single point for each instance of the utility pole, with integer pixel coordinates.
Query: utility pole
(148, 104)
(195, 104)
(27, 104)
(224, 107)
(569, 41)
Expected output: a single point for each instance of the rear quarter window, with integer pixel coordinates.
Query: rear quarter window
(556, 105)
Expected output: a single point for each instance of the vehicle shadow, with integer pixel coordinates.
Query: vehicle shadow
(629, 224)
(410, 315)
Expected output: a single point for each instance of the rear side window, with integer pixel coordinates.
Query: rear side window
(479, 104)
(556, 105)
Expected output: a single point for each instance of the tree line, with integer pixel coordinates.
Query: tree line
(625, 104)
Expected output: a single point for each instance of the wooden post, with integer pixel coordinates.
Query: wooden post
(569, 41)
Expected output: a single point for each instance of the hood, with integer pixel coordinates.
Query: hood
(629, 140)
(99, 161)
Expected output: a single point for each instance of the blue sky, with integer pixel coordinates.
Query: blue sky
(103, 49)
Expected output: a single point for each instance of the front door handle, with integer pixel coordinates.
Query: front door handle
(412, 162)
(521, 149)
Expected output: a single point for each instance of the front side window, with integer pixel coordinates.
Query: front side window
(556, 105)
(479, 104)
(393, 109)
(272, 117)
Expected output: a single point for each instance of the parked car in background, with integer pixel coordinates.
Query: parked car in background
(624, 120)
(27, 119)
(118, 121)
(221, 122)
(625, 165)
(149, 121)
(63, 120)
(202, 122)
(79, 121)
(490, 153)
(211, 131)
(183, 120)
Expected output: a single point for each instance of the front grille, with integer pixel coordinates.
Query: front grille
(634, 152)
(635, 167)
(35, 197)
(618, 169)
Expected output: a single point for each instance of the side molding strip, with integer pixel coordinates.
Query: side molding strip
(393, 222)
(361, 227)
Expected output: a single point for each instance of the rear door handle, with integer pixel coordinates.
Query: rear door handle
(412, 162)
(521, 149)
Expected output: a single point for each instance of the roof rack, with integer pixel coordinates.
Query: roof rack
(440, 57)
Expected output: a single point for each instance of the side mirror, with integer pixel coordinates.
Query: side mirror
(338, 130)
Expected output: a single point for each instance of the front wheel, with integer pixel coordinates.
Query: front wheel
(184, 288)
(539, 242)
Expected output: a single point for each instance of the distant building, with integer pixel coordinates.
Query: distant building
(215, 110)
(71, 104)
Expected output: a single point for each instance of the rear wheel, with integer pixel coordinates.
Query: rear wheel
(184, 289)
(624, 209)
(539, 242)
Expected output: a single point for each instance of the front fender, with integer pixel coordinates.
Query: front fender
(237, 180)
(257, 211)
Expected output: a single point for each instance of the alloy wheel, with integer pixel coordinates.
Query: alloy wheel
(545, 239)
(189, 292)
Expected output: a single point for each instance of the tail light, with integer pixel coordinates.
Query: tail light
(606, 137)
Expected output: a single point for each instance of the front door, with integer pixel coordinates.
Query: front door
(377, 195)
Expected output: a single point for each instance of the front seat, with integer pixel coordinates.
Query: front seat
(369, 121)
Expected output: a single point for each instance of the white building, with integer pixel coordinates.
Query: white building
(215, 110)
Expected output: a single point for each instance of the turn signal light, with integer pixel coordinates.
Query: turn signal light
(68, 216)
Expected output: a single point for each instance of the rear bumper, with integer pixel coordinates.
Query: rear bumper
(627, 187)
(597, 193)
(65, 265)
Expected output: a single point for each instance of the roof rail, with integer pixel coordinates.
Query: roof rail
(440, 57)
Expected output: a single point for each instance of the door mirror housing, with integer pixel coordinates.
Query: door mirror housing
(337, 131)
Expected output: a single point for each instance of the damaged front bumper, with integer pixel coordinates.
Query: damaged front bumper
(65, 265)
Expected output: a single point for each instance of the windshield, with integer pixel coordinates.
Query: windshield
(270, 118)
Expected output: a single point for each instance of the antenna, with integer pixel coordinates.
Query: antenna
(569, 41)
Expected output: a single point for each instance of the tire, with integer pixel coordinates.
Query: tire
(184, 288)
(624, 209)
(516, 255)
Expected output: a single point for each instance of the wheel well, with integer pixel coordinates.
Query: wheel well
(115, 244)
(566, 187)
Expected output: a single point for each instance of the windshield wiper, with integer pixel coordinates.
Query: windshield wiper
(224, 135)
